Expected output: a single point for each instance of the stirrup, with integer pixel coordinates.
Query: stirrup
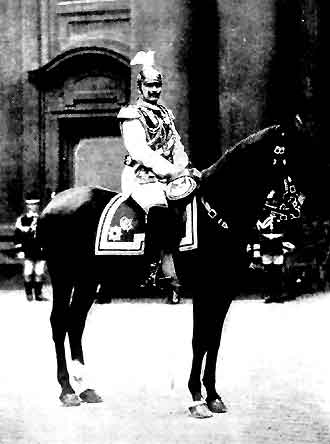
(149, 281)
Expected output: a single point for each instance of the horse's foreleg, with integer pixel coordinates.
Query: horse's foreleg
(194, 383)
(215, 326)
(199, 407)
(59, 319)
(82, 300)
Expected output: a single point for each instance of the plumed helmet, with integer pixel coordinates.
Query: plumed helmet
(148, 72)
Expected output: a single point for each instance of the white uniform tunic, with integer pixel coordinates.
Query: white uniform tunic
(157, 154)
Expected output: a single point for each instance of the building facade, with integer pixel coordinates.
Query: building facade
(230, 68)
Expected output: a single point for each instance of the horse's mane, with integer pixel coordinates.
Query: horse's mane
(237, 184)
(234, 156)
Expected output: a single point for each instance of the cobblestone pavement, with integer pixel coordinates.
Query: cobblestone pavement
(273, 374)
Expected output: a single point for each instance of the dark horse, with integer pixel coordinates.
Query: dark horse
(232, 190)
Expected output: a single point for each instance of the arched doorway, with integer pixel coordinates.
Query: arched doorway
(81, 92)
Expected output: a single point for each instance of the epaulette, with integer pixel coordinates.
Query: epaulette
(129, 112)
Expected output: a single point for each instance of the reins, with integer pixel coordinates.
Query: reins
(291, 203)
(213, 214)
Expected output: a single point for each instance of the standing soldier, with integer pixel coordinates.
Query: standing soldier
(29, 250)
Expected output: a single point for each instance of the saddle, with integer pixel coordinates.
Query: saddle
(122, 225)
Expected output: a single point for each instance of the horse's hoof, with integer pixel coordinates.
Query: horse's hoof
(217, 406)
(200, 410)
(90, 396)
(70, 400)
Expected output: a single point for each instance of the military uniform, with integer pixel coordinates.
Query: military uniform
(155, 155)
(25, 237)
(155, 158)
(273, 248)
(149, 164)
(29, 249)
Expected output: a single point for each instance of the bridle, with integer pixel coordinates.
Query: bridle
(290, 204)
(289, 208)
(214, 215)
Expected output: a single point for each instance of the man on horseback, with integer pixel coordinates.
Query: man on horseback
(155, 157)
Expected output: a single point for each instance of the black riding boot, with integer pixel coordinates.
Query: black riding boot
(173, 233)
(274, 284)
(152, 248)
(28, 286)
(163, 234)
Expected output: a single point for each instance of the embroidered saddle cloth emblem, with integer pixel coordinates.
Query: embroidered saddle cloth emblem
(121, 228)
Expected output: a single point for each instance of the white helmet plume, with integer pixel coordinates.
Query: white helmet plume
(144, 58)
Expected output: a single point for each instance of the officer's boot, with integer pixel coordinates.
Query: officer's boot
(38, 291)
(28, 286)
(170, 248)
(152, 248)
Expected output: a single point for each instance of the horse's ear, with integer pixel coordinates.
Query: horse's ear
(292, 125)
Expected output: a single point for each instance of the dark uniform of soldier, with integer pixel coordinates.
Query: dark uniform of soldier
(276, 241)
(29, 250)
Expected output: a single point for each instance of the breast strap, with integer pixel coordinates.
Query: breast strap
(214, 215)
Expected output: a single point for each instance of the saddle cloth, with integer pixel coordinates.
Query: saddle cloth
(121, 228)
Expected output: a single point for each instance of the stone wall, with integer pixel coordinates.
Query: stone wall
(230, 67)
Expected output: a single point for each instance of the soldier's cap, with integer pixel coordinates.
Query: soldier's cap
(32, 201)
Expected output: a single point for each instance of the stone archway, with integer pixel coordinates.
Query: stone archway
(81, 93)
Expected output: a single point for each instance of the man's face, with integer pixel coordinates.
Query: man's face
(151, 91)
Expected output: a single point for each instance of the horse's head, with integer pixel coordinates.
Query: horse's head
(237, 185)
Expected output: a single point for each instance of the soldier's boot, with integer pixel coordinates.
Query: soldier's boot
(162, 238)
(175, 224)
(38, 292)
(274, 274)
(28, 286)
(152, 248)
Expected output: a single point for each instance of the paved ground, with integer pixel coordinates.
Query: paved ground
(274, 375)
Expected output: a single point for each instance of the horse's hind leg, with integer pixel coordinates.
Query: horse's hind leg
(82, 300)
(62, 288)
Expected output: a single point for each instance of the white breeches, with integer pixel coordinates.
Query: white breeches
(147, 195)
(34, 267)
(268, 259)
